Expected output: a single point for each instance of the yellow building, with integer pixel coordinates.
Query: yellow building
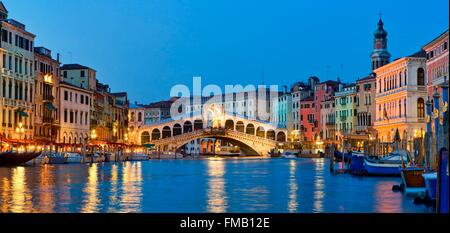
(400, 98)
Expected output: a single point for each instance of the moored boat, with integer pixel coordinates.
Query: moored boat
(139, 157)
(73, 158)
(339, 155)
(389, 165)
(413, 180)
(13, 158)
(430, 184)
(289, 155)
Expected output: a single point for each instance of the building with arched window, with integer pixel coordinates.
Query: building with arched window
(400, 97)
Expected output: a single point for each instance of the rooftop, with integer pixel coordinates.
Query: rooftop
(74, 67)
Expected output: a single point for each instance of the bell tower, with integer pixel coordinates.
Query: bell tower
(380, 55)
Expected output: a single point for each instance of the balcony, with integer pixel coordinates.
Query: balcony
(48, 98)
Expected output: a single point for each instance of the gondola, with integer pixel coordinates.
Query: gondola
(14, 158)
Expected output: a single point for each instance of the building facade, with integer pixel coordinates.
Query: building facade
(46, 107)
(437, 64)
(400, 98)
(75, 104)
(345, 111)
(308, 123)
(365, 108)
(17, 82)
(328, 119)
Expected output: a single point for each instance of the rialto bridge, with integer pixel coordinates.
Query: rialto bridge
(254, 137)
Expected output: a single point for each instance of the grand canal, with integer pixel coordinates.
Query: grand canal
(206, 185)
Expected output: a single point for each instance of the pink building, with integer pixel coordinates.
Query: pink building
(323, 91)
(437, 63)
(308, 122)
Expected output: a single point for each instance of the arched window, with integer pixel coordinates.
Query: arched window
(140, 117)
(400, 108)
(420, 77)
(420, 108)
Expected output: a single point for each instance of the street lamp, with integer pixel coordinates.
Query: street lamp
(93, 134)
(20, 130)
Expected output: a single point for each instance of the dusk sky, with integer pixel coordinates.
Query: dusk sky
(146, 47)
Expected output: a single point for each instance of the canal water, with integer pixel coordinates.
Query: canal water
(211, 185)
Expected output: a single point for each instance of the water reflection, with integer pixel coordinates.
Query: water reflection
(21, 199)
(319, 185)
(385, 199)
(213, 185)
(293, 187)
(216, 202)
(46, 183)
(114, 195)
(90, 191)
(131, 187)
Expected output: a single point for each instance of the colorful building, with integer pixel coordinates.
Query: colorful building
(365, 108)
(400, 98)
(308, 123)
(345, 110)
(75, 107)
(46, 114)
(17, 79)
(324, 91)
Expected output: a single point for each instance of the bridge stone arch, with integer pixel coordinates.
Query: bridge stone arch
(261, 132)
(240, 127)
(271, 135)
(250, 144)
(156, 134)
(250, 129)
(281, 136)
(166, 132)
(145, 137)
(229, 124)
(188, 127)
(198, 124)
(177, 129)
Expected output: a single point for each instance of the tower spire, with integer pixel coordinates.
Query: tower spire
(380, 55)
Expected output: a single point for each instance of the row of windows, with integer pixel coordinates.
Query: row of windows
(84, 99)
(19, 41)
(437, 51)
(82, 74)
(20, 89)
(21, 66)
(71, 117)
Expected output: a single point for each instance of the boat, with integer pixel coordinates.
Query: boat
(73, 157)
(40, 159)
(357, 164)
(56, 158)
(229, 151)
(289, 155)
(388, 165)
(430, 179)
(412, 179)
(139, 157)
(14, 158)
(92, 158)
(339, 155)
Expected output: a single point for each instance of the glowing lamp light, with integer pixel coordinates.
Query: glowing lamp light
(48, 78)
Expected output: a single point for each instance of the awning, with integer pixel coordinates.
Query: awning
(22, 113)
(50, 106)
(148, 145)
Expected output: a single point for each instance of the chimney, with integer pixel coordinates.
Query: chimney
(285, 89)
(57, 57)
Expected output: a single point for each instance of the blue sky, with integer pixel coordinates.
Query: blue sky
(146, 47)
